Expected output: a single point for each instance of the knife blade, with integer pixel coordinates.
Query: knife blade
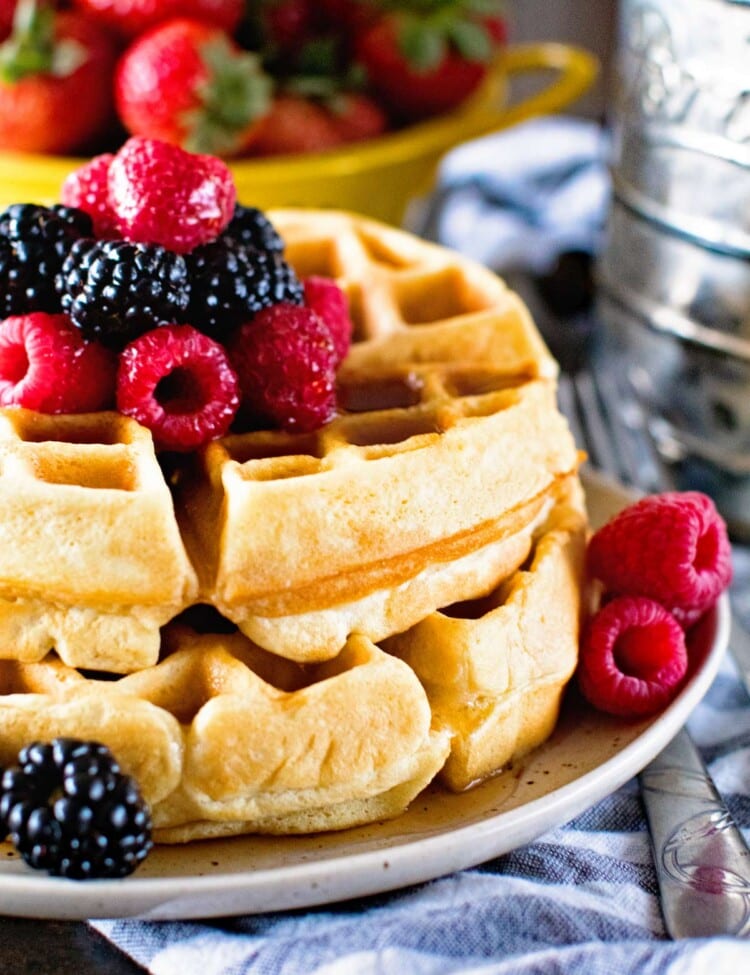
(701, 858)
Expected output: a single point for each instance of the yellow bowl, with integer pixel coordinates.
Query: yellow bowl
(378, 177)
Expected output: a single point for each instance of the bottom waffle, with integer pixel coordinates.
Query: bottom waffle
(226, 738)
(223, 737)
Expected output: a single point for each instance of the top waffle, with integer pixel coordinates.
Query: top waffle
(447, 453)
(414, 302)
(449, 445)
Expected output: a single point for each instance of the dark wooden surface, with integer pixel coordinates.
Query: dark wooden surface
(29, 947)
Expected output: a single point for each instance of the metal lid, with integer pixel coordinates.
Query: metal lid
(681, 151)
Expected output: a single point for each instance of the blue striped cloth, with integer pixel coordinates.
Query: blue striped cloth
(582, 898)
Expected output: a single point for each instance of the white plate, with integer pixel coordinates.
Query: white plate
(588, 756)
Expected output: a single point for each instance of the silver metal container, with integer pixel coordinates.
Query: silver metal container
(674, 273)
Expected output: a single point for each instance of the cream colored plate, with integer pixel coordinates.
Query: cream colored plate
(589, 756)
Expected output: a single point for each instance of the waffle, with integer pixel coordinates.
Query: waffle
(348, 559)
(91, 560)
(494, 670)
(450, 444)
(226, 738)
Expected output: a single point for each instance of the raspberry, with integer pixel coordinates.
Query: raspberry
(178, 383)
(286, 365)
(329, 302)
(71, 811)
(633, 657)
(670, 547)
(87, 189)
(47, 365)
(161, 194)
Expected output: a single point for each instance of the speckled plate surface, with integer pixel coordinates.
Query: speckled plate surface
(588, 756)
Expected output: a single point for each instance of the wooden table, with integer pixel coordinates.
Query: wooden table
(29, 947)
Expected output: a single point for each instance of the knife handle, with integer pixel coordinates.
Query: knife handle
(701, 858)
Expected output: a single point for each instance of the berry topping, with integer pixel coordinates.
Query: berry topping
(114, 290)
(72, 812)
(670, 547)
(87, 189)
(162, 194)
(229, 283)
(633, 657)
(328, 301)
(286, 364)
(252, 228)
(47, 365)
(178, 383)
(34, 242)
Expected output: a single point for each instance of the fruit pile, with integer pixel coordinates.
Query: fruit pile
(660, 565)
(235, 78)
(151, 291)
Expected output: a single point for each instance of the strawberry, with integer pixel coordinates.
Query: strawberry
(129, 18)
(7, 10)
(295, 124)
(357, 116)
(187, 83)
(286, 24)
(348, 16)
(428, 61)
(55, 81)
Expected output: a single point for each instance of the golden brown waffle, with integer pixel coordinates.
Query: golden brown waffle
(450, 444)
(91, 560)
(495, 669)
(415, 302)
(225, 738)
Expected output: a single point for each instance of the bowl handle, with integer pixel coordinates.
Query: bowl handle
(575, 71)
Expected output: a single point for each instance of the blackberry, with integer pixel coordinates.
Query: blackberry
(115, 290)
(34, 242)
(229, 283)
(252, 228)
(72, 812)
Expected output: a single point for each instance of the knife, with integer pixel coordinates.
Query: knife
(701, 858)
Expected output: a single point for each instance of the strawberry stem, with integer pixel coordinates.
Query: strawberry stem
(33, 48)
(427, 29)
(236, 92)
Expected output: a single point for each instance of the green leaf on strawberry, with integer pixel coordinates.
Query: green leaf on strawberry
(33, 49)
(471, 40)
(234, 91)
(422, 44)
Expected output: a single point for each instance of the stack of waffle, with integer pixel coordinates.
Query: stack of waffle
(398, 593)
